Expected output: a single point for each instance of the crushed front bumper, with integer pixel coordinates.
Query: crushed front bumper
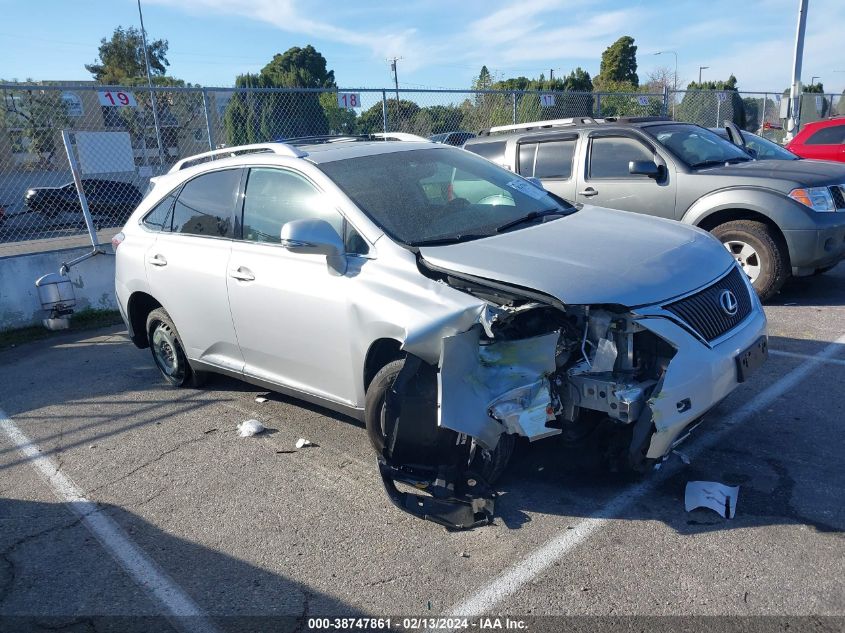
(698, 377)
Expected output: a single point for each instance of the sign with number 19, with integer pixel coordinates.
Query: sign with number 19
(117, 98)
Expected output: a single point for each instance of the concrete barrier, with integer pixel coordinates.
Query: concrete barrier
(93, 284)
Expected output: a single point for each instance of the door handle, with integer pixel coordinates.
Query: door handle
(588, 192)
(157, 260)
(242, 274)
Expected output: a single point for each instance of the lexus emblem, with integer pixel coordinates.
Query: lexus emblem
(728, 301)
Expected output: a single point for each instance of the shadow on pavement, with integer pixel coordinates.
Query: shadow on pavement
(54, 575)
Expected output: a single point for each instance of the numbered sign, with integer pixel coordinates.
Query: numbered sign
(117, 99)
(643, 101)
(722, 96)
(348, 100)
(547, 101)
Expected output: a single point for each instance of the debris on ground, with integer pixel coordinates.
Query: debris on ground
(249, 428)
(302, 443)
(261, 399)
(464, 555)
(710, 494)
(207, 431)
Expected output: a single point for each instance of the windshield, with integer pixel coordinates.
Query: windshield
(766, 149)
(443, 194)
(697, 146)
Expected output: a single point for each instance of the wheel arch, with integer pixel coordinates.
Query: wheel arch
(139, 306)
(381, 352)
(721, 216)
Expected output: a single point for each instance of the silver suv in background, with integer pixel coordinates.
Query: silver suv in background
(777, 218)
(450, 304)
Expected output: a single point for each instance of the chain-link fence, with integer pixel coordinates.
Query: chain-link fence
(123, 136)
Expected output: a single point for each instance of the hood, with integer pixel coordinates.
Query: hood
(809, 173)
(593, 256)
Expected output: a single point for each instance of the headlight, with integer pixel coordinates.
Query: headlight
(817, 198)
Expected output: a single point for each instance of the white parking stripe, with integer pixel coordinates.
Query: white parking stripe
(831, 361)
(177, 605)
(513, 578)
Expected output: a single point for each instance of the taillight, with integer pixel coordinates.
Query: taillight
(117, 240)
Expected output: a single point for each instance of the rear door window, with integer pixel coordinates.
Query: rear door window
(549, 159)
(206, 204)
(827, 136)
(610, 155)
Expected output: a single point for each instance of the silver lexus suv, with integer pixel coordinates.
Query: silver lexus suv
(450, 304)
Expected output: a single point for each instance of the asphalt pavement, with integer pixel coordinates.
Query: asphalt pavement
(129, 504)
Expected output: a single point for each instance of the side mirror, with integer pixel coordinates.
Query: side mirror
(644, 168)
(315, 237)
(535, 181)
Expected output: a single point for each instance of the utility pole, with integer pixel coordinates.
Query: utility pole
(551, 75)
(152, 94)
(674, 79)
(700, 68)
(794, 121)
(393, 61)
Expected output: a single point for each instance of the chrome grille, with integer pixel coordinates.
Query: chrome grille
(703, 311)
(838, 193)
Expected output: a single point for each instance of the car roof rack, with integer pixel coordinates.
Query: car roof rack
(637, 119)
(399, 136)
(280, 149)
(538, 125)
(319, 139)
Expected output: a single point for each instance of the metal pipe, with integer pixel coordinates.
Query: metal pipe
(207, 119)
(794, 121)
(152, 92)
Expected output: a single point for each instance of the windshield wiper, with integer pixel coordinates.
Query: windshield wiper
(533, 215)
(724, 161)
(451, 239)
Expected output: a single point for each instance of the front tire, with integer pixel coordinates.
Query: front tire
(759, 252)
(168, 353)
(489, 465)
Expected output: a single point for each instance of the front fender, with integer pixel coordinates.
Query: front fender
(774, 205)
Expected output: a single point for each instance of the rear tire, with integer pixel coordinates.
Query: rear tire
(489, 465)
(168, 352)
(759, 252)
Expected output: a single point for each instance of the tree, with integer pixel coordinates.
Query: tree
(38, 114)
(661, 78)
(703, 104)
(619, 63)
(121, 58)
(578, 80)
(254, 117)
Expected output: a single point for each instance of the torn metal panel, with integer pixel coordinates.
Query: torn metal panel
(508, 379)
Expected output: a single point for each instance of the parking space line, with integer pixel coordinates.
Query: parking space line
(831, 361)
(178, 607)
(512, 579)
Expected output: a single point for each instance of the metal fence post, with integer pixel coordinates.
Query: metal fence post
(598, 104)
(763, 113)
(207, 119)
(666, 102)
(158, 130)
(384, 110)
(514, 108)
(77, 180)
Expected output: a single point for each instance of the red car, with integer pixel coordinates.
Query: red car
(822, 140)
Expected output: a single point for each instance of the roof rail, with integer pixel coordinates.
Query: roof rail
(399, 136)
(280, 149)
(536, 125)
(322, 138)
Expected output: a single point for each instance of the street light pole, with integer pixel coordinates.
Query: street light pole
(794, 121)
(152, 93)
(674, 80)
(700, 68)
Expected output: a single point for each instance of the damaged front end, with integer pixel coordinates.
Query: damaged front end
(516, 366)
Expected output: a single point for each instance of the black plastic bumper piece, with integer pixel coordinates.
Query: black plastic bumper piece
(444, 505)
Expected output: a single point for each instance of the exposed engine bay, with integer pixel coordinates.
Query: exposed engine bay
(526, 366)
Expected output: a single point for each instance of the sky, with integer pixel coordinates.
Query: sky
(442, 43)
